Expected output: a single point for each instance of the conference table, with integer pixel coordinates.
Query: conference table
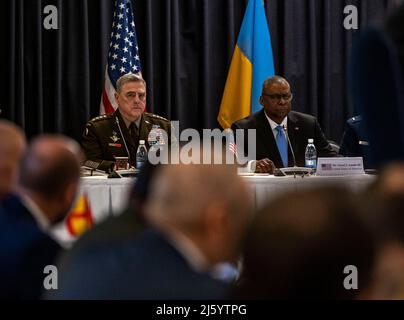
(107, 197)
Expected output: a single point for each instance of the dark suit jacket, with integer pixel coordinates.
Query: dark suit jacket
(102, 140)
(144, 267)
(355, 141)
(301, 127)
(24, 252)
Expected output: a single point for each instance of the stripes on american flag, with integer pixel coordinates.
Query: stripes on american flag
(123, 55)
(232, 146)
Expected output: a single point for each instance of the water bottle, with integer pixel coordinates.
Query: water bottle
(141, 154)
(311, 155)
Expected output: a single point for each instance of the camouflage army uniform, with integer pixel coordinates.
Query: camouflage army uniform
(102, 140)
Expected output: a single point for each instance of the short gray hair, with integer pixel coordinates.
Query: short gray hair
(271, 80)
(129, 77)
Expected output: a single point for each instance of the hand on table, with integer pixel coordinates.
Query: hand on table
(264, 166)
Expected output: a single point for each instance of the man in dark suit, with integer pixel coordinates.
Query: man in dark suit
(49, 175)
(198, 214)
(276, 120)
(118, 134)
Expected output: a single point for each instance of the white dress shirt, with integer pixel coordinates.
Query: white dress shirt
(252, 163)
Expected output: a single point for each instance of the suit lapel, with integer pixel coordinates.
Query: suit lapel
(266, 140)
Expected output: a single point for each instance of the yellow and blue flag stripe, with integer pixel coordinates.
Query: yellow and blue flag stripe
(251, 64)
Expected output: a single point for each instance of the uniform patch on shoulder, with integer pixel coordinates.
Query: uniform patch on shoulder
(99, 118)
(152, 115)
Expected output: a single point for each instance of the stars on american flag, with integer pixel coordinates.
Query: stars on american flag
(123, 56)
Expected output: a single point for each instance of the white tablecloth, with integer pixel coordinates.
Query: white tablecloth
(107, 197)
(265, 188)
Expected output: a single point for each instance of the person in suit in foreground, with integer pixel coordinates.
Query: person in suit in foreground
(122, 227)
(49, 175)
(274, 121)
(305, 248)
(198, 215)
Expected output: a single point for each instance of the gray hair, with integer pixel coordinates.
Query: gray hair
(129, 77)
(271, 80)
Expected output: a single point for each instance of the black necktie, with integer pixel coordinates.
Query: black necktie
(134, 132)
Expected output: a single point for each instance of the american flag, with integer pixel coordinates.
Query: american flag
(123, 55)
(232, 146)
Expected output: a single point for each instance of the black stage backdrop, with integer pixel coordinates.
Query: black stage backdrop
(51, 80)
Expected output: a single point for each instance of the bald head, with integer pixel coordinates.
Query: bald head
(183, 191)
(300, 243)
(50, 163)
(208, 203)
(274, 80)
(12, 146)
(391, 180)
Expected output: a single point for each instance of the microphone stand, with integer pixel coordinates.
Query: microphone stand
(123, 138)
(302, 170)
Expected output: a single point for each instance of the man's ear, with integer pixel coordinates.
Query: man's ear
(116, 96)
(261, 101)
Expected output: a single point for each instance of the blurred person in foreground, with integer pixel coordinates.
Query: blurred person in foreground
(121, 227)
(198, 215)
(49, 175)
(299, 249)
(383, 209)
(12, 146)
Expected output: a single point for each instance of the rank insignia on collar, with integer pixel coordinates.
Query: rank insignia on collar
(114, 137)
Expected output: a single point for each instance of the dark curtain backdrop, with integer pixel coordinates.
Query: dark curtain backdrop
(51, 80)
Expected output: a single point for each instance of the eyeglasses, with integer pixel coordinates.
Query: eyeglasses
(278, 97)
(132, 95)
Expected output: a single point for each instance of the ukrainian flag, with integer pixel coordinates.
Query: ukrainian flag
(251, 64)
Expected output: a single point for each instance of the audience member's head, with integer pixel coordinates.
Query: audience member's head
(50, 171)
(383, 207)
(390, 182)
(207, 204)
(12, 145)
(299, 245)
(385, 217)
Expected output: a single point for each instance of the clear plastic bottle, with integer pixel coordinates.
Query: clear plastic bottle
(141, 154)
(311, 155)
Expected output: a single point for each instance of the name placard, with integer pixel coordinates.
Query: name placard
(340, 166)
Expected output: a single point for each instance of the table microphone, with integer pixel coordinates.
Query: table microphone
(123, 138)
(295, 170)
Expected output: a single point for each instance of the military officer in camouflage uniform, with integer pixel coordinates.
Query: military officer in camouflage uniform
(104, 137)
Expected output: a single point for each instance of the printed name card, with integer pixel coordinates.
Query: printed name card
(340, 166)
